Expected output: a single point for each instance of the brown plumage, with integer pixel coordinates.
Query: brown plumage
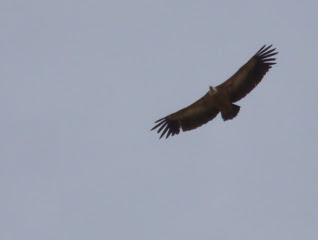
(220, 98)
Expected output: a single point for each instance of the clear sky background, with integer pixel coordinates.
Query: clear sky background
(81, 83)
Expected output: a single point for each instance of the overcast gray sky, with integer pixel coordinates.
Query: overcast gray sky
(82, 83)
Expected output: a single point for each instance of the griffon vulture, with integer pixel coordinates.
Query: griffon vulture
(220, 98)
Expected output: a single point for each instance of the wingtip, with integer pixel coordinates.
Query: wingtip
(159, 120)
(158, 123)
(264, 50)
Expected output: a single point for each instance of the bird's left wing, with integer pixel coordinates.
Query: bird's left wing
(250, 74)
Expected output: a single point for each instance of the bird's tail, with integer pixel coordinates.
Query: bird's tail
(230, 114)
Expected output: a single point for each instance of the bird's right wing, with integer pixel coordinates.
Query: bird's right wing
(191, 117)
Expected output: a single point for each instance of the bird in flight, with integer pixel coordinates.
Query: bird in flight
(220, 98)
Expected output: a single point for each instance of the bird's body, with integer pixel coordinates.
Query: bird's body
(220, 98)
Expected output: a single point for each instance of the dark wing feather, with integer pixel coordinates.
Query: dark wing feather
(191, 117)
(250, 74)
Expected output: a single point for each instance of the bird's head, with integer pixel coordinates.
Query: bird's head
(212, 90)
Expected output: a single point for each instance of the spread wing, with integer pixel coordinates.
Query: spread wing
(191, 117)
(250, 74)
